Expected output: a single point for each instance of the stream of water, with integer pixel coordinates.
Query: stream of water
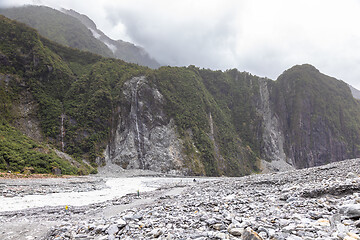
(116, 187)
(137, 121)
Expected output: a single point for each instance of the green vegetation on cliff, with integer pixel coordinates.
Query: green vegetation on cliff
(72, 29)
(76, 97)
(319, 115)
(89, 105)
(18, 153)
(197, 99)
(55, 76)
(85, 89)
(59, 27)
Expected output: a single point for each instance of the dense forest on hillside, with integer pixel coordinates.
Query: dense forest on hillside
(74, 96)
(86, 88)
(317, 110)
(75, 30)
(66, 29)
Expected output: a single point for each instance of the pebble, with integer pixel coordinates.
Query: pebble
(350, 210)
(316, 203)
(21, 187)
(156, 233)
(250, 234)
(112, 230)
(236, 231)
(120, 223)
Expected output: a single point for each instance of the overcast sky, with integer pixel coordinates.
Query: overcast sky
(259, 36)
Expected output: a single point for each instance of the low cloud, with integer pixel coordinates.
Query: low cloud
(258, 36)
(182, 32)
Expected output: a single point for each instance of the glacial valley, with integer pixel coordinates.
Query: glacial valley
(315, 203)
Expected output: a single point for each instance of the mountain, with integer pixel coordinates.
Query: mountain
(178, 120)
(23, 146)
(122, 50)
(58, 27)
(318, 116)
(75, 30)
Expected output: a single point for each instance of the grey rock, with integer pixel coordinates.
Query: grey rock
(350, 210)
(263, 235)
(294, 237)
(120, 223)
(81, 236)
(156, 232)
(284, 222)
(250, 234)
(191, 215)
(218, 226)
(221, 235)
(357, 223)
(236, 231)
(101, 228)
(352, 175)
(263, 232)
(272, 137)
(112, 230)
(145, 137)
(315, 215)
(292, 199)
(101, 238)
(137, 216)
(128, 217)
(211, 221)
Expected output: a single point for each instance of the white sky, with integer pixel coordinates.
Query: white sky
(259, 36)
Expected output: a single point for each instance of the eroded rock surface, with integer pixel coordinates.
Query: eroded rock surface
(314, 203)
(145, 138)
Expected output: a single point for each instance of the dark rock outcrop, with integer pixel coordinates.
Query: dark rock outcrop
(313, 110)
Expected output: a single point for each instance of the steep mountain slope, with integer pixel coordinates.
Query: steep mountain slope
(319, 117)
(75, 30)
(58, 27)
(187, 120)
(32, 81)
(122, 50)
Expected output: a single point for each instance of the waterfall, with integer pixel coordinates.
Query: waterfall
(134, 111)
(136, 119)
(62, 132)
(211, 125)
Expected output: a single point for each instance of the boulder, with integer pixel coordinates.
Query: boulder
(250, 234)
(350, 210)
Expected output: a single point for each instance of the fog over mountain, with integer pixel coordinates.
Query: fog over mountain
(259, 36)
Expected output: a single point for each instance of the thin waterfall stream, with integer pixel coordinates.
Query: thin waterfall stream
(62, 132)
(136, 110)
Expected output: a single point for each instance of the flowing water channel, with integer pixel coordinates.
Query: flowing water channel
(116, 187)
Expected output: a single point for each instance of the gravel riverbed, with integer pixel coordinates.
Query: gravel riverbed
(315, 203)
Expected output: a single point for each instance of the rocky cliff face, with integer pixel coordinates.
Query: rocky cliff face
(24, 108)
(143, 136)
(296, 129)
(273, 137)
(312, 110)
(185, 119)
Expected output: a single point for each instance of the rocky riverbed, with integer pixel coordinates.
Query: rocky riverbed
(315, 203)
(43, 186)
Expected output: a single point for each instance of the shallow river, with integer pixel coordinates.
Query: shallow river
(116, 187)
